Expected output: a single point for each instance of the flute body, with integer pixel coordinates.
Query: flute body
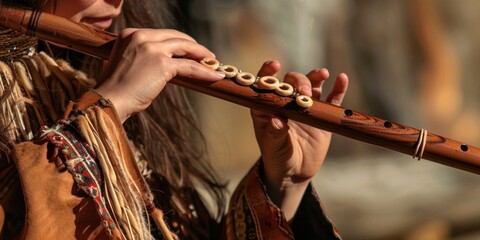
(322, 115)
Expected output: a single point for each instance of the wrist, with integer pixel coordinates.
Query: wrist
(116, 100)
(285, 192)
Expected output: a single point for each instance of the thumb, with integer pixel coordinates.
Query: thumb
(277, 138)
(278, 126)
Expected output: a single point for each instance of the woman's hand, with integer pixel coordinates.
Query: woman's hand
(144, 60)
(292, 152)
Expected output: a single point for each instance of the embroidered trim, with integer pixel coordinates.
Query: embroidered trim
(252, 215)
(80, 162)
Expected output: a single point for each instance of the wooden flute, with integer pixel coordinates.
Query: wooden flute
(346, 122)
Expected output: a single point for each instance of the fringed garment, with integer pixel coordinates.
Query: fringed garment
(72, 173)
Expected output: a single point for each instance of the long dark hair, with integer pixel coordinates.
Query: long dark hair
(167, 133)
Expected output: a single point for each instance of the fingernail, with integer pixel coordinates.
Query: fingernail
(277, 124)
(324, 69)
(221, 74)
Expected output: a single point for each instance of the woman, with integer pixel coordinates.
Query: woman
(159, 122)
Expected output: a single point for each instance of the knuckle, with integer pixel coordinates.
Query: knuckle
(194, 67)
(191, 67)
(165, 63)
(148, 48)
(169, 70)
(139, 37)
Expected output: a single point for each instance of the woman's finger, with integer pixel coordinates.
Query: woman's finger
(145, 34)
(299, 82)
(317, 78)
(339, 89)
(269, 68)
(192, 69)
(177, 47)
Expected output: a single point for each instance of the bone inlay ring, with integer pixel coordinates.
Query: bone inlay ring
(210, 63)
(245, 78)
(229, 70)
(304, 101)
(268, 83)
(284, 90)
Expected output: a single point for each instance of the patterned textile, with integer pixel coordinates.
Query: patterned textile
(253, 215)
(80, 161)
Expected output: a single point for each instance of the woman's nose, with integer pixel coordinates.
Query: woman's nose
(115, 3)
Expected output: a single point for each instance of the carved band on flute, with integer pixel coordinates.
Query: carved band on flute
(322, 115)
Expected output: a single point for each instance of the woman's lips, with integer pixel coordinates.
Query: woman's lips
(100, 23)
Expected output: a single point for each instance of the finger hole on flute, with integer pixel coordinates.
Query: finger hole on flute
(229, 70)
(348, 112)
(304, 101)
(210, 63)
(245, 78)
(268, 83)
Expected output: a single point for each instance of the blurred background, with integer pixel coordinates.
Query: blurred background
(414, 62)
